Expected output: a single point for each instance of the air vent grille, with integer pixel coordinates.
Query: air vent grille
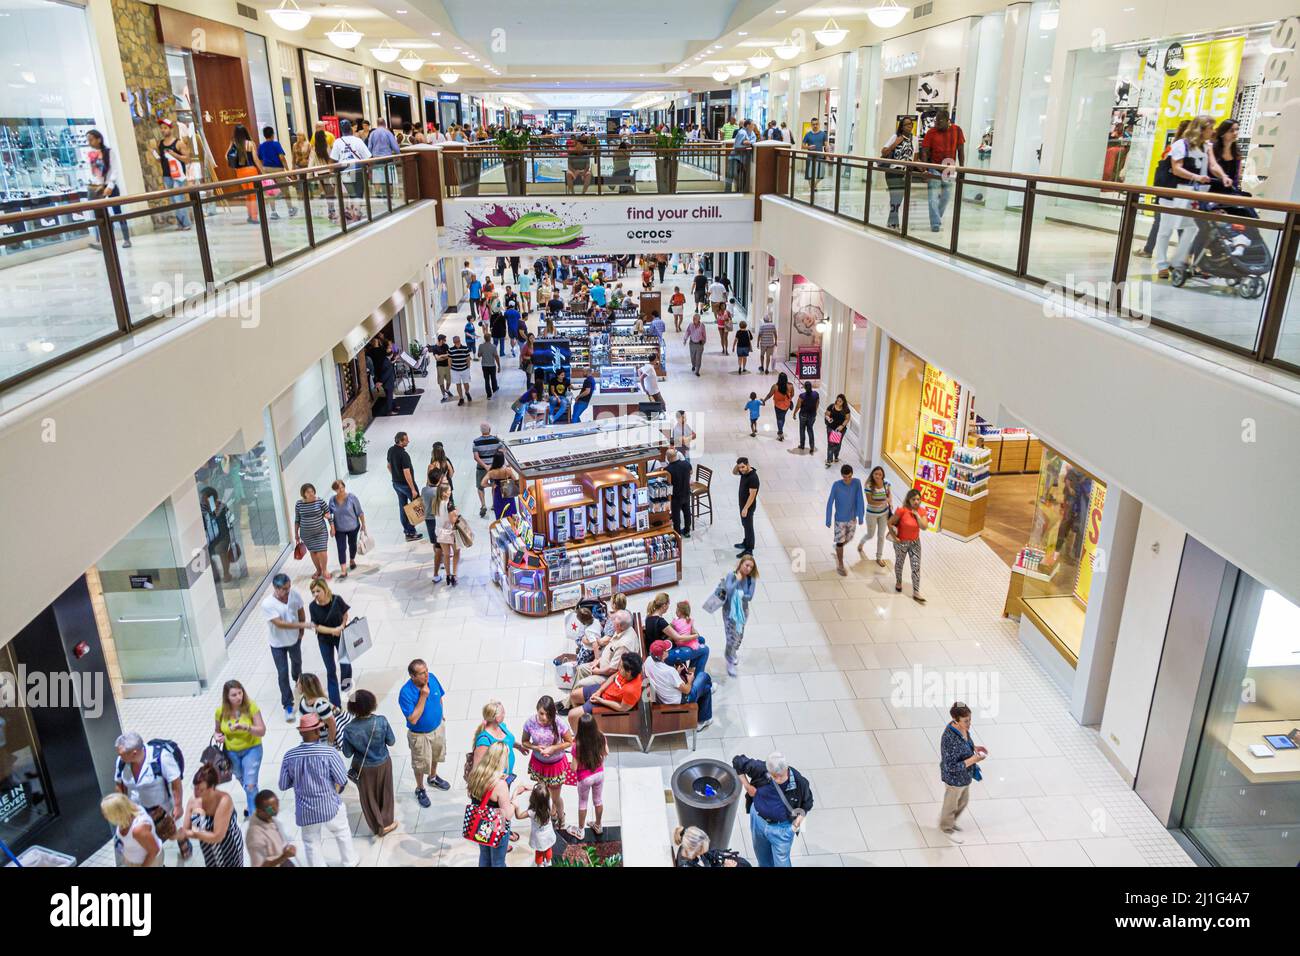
(244, 10)
(922, 10)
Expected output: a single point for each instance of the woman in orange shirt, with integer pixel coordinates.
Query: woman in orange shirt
(677, 305)
(782, 396)
(905, 529)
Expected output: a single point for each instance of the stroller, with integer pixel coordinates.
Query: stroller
(1232, 251)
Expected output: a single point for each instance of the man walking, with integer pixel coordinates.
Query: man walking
(766, 343)
(314, 771)
(845, 505)
(460, 356)
(649, 380)
(442, 365)
(475, 294)
(777, 798)
(679, 474)
(717, 296)
(488, 359)
(151, 777)
(485, 446)
(700, 289)
(421, 702)
(402, 473)
(286, 618)
(748, 502)
(513, 318)
(945, 144)
(806, 410)
(696, 333)
(741, 151)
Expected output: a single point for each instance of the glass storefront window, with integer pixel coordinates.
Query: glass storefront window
(1243, 804)
(240, 501)
(857, 362)
(259, 71)
(25, 804)
(902, 410)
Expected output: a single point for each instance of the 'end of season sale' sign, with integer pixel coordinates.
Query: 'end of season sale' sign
(932, 458)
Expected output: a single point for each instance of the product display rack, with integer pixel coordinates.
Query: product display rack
(592, 517)
(966, 492)
(1012, 451)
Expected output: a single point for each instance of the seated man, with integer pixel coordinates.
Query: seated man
(672, 686)
(625, 640)
(618, 694)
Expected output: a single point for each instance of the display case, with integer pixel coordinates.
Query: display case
(42, 164)
(592, 516)
(966, 493)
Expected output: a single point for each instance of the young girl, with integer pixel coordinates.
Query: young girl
(448, 546)
(542, 838)
(589, 751)
(688, 645)
(753, 406)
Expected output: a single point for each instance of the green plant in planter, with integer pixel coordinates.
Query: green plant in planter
(592, 859)
(416, 350)
(673, 140)
(354, 445)
(514, 138)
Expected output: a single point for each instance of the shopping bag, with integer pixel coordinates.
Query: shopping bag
(365, 543)
(270, 187)
(713, 602)
(356, 639)
(834, 437)
(566, 671)
(414, 511)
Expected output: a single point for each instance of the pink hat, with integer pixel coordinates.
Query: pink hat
(659, 648)
(309, 721)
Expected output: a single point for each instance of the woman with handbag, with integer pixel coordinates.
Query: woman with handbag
(900, 147)
(313, 526)
(504, 482)
(448, 549)
(349, 524)
(837, 417)
(548, 741)
(491, 807)
(959, 760)
(366, 740)
(732, 595)
(241, 157)
(240, 729)
(436, 495)
(329, 615)
(312, 700)
(105, 180)
(438, 459)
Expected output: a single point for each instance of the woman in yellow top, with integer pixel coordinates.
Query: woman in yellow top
(241, 729)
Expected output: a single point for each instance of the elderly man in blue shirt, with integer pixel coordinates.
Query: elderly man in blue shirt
(777, 798)
(742, 149)
(846, 506)
(382, 142)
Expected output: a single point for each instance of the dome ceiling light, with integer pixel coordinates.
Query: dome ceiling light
(887, 14)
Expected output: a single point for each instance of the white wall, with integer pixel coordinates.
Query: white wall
(1141, 640)
(1161, 423)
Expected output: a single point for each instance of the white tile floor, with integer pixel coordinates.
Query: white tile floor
(815, 681)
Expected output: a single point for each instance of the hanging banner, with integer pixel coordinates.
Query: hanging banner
(933, 454)
(1200, 78)
(940, 401)
(1091, 535)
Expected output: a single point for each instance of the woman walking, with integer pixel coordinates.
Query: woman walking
(105, 183)
(366, 741)
(438, 459)
(589, 751)
(905, 529)
(736, 591)
(880, 505)
(240, 729)
(504, 482)
(782, 396)
(312, 528)
(837, 416)
(329, 614)
(900, 147)
(449, 545)
(135, 841)
(436, 495)
(349, 524)
(744, 342)
(211, 816)
(312, 700)
(489, 792)
(548, 742)
(241, 157)
(320, 156)
(959, 760)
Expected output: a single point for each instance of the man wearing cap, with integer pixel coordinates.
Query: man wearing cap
(426, 735)
(286, 619)
(316, 774)
(673, 686)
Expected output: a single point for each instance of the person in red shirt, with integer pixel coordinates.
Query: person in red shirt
(620, 693)
(943, 144)
(905, 529)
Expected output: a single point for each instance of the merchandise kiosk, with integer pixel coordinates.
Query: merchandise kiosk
(592, 516)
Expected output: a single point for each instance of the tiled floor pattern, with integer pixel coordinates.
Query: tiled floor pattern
(818, 662)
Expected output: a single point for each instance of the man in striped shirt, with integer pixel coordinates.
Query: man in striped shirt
(460, 359)
(315, 772)
(766, 343)
(485, 446)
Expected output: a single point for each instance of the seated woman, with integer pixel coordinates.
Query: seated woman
(692, 845)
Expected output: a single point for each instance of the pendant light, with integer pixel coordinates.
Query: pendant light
(736, 69)
(721, 75)
(831, 34)
(343, 36)
(411, 62)
(385, 52)
(761, 60)
(887, 14)
(787, 49)
(288, 16)
(449, 77)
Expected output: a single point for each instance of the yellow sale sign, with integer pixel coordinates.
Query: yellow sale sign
(1206, 84)
(1091, 535)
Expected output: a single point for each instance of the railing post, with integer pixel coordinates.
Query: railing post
(866, 194)
(305, 182)
(906, 211)
(956, 211)
(263, 224)
(839, 170)
(1279, 287)
(201, 234)
(342, 199)
(364, 173)
(1026, 225)
(390, 178)
(113, 268)
(1123, 242)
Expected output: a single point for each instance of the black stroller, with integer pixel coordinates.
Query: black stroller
(1233, 251)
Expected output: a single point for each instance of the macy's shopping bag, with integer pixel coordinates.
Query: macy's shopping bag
(356, 640)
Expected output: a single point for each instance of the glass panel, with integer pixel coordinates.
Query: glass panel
(1288, 342)
(989, 231)
(929, 216)
(1073, 242)
(24, 802)
(1243, 805)
(853, 190)
(286, 223)
(322, 192)
(815, 182)
(161, 269)
(857, 362)
(397, 181)
(902, 410)
(887, 192)
(234, 237)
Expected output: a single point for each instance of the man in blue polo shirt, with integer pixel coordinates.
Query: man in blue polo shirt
(475, 294)
(845, 504)
(598, 295)
(777, 798)
(512, 326)
(420, 700)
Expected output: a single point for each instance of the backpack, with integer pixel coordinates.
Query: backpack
(156, 747)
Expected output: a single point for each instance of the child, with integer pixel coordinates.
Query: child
(271, 155)
(470, 339)
(589, 751)
(753, 406)
(692, 649)
(542, 838)
(581, 625)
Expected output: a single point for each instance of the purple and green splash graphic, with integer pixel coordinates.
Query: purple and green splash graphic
(501, 230)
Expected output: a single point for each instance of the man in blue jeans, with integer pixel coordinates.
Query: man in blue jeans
(777, 798)
(286, 618)
(672, 687)
(944, 144)
(402, 473)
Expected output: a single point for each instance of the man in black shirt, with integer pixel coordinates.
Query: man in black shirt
(679, 473)
(806, 411)
(701, 288)
(459, 356)
(748, 502)
(442, 363)
(385, 373)
(402, 473)
(556, 305)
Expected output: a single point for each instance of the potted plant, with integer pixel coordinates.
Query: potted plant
(354, 446)
(668, 146)
(514, 160)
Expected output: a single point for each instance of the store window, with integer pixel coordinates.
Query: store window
(903, 388)
(1035, 83)
(259, 71)
(853, 384)
(240, 501)
(25, 804)
(1243, 804)
(49, 102)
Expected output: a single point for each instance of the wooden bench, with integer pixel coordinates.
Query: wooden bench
(662, 720)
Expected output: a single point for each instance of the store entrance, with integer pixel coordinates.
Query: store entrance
(397, 110)
(339, 99)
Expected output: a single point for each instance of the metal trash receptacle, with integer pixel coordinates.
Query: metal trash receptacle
(707, 793)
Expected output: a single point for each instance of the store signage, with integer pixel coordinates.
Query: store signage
(809, 359)
(332, 124)
(669, 223)
(940, 398)
(12, 802)
(395, 84)
(816, 81)
(231, 117)
(1206, 84)
(449, 97)
(142, 582)
(933, 454)
(1274, 101)
(902, 63)
(1091, 536)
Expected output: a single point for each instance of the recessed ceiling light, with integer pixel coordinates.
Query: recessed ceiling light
(744, 33)
(435, 33)
(778, 11)
(401, 13)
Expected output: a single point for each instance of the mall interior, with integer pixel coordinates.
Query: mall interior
(1099, 432)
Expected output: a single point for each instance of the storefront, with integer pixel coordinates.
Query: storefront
(336, 90)
(922, 74)
(397, 99)
(441, 107)
(401, 322)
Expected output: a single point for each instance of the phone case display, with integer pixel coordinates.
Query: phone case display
(966, 493)
(660, 495)
(586, 533)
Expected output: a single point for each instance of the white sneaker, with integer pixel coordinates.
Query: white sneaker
(703, 724)
(951, 835)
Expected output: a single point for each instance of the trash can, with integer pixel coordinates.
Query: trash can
(707, 794)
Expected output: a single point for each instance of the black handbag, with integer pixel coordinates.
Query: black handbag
(215, 756)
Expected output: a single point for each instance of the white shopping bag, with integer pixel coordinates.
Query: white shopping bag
(365, 543)
(356, 640)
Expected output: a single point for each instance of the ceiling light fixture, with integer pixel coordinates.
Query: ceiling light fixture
(385, 52)
(761, 60)
(343, 36)
(787, 49)
(411, 62)
(449, 77)
(736, 69)
(831, 34)
(288, 16)
(721, 75)
(1051, 16)
(887, 14)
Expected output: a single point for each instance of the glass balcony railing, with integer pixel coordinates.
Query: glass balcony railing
(80, 276)
(1216, 266)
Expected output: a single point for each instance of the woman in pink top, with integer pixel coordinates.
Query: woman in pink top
(547, 740)
(687, 643)
(589, 750)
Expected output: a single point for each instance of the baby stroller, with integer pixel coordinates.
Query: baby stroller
(1232, 251)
